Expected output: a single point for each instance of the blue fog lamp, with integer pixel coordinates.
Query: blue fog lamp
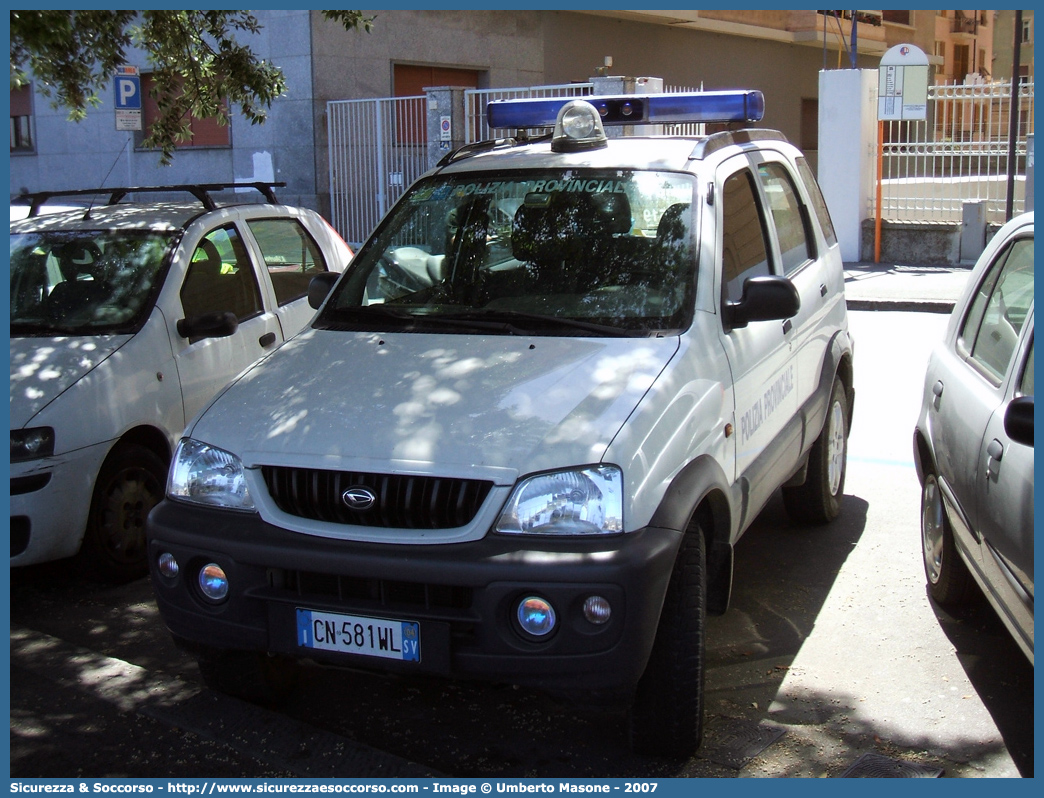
(536, 616)
(213, 582)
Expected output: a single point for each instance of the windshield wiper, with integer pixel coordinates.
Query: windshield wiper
(44, 328)
(510, 322)
(540, 322)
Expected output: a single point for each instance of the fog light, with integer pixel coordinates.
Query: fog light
(536, 616)
(597, 609)
(168, 566)
(213, 582)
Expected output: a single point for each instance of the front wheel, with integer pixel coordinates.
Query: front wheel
(129, 485)
(818, 499)
(666, 718)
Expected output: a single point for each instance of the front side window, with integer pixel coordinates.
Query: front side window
(566, 252)
(1026, 380)
(84, 282)
(990, 332)
(220, 277)
(744, 248)
(291, 256)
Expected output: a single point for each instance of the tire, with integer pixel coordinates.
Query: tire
(818, 499)
(666, 718)
(949, 582)
(131, 482)
(250, 675)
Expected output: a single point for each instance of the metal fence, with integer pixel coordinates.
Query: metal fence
(377, 149)
(959, 154)
(475, 100)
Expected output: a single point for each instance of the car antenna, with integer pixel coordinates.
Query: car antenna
(90, 205)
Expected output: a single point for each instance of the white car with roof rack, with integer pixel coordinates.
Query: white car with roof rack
(126, 317)
(527, 427)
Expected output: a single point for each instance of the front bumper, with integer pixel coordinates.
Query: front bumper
(50, 501)
(462, 595)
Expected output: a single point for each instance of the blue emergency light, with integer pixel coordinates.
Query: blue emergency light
(634, 109)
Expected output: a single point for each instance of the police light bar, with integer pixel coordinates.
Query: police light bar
(635, 109)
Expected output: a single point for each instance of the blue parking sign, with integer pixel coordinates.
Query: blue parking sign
(128, 93)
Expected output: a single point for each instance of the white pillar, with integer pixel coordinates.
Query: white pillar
(848, 152)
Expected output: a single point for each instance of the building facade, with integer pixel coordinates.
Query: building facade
(780, 53)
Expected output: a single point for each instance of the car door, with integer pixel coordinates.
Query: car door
(291, 258)
(220, 277)
(1004, 500)
(971, 379)
(814, 270)
(764, 373)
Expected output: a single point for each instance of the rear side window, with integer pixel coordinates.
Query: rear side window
(290, 254)
(787, 216)
(990, 332)
(744, 251)
(818, 202)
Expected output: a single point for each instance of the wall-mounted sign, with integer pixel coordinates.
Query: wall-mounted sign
(127, 89)
(902, 84)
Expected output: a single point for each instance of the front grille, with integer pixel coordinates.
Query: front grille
(403, 502)
(385, 592)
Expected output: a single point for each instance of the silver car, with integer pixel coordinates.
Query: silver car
(974, 439)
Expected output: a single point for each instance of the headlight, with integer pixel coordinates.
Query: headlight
(31, 444)
(207, 475)
(585, 501)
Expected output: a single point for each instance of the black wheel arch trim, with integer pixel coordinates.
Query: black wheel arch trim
(700, 494)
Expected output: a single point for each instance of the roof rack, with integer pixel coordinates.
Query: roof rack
(201, 191)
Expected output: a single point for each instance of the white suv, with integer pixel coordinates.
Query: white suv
(125, 319)
(524, 433)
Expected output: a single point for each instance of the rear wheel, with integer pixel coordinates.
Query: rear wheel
(666, 718)
(250, 675)
(949, 582)
(818, 499)
(129, 485)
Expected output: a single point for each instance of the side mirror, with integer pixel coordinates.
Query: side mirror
(319, 288)
(1018, 420)
(764, 298)
(208, 325)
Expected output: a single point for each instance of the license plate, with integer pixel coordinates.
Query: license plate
(354, 634)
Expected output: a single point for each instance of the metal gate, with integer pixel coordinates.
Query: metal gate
(475, 101)
(959, 154)
(377, 149)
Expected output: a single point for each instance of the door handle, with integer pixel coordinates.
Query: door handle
(937, 389)
(788, 325)
(822, 290)
(267, 339)
(995, 451)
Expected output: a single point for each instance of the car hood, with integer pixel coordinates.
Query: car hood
(445, 404)
(42, 368)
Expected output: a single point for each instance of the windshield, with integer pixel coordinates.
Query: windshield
(570, 252)
(83, 282)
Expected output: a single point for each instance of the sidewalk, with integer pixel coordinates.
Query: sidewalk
(884, 286)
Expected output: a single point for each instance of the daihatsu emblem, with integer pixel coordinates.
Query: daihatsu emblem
(359, 498)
